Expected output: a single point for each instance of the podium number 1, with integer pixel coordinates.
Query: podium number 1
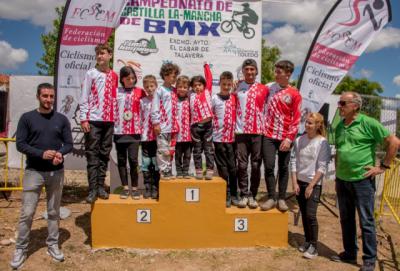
(241, 224)
(143, 215)
(192, 194)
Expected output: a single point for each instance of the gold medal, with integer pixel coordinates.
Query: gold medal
(128, 115)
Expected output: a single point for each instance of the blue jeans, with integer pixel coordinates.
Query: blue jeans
(360, 196)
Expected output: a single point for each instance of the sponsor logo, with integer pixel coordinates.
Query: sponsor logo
(96, 11)
(287, 99)
(230, 48)
(143, 47)
(369, 10)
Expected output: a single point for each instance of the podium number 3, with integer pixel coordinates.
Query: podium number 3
(240, 224)
(143, 216)
(192, 194)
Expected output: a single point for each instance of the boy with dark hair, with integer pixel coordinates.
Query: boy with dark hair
(97, 105)
(251, 97)
(224, 121)
(282, 118)
(164, 118)
(183, 150)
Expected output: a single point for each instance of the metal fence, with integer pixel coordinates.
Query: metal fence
(391, 191)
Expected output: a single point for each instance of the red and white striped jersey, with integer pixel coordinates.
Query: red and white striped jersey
(164, 110)
(148, 132)
(282, 112)
(97, 101)
(224, 120)
(200, 103)
(183, 120)
(250, 108)
(128, 120)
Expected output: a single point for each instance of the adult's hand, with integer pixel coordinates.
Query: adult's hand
(296, 189)
(373, 171)
(85, 126)
(58, 159)
(309, 191)
(49, 154)
(285, 145)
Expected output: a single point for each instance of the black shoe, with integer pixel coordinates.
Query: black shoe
(368, 266)
(147, 193)
(101, 192)
(154, 192)
(343, 257)
(92, 197)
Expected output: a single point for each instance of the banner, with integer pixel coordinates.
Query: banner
(85, 24)
(188, 33)
(343, 36)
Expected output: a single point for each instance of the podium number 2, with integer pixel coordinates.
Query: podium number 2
(143, 216)
(240, 224)
(192, 194)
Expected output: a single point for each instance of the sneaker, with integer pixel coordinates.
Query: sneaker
(55, 253)
(368, 266)
(147, 193)
(282, 206)
(303, 248)
(135, 194)
(268, 205)
(235, 200)
(101, 193)
(252, 203)
(186, 175)
(199, 174)
(165, 175)
(179, 176)
(18, 258)
(124, 194)
(343, 257)
(311, 252)
(92, 197)
(243, 202)
(209, 174)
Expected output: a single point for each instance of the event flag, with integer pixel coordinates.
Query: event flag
(85, 24)
(343, 36)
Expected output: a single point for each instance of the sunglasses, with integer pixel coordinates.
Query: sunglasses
(343, 103)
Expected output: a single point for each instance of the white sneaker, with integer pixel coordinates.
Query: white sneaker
(282, 206)
(55, 253)
(252, 203)
(268, 205)
(18, 259)
(243, 202)
(311, 252)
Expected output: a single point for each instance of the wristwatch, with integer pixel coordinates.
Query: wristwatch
(384, 166)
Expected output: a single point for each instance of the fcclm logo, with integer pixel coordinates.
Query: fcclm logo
(368, 10)
(95, 11)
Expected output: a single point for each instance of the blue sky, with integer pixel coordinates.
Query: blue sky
(288, 24)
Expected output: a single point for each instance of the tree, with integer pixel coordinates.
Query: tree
(46, 64)
(269, 56)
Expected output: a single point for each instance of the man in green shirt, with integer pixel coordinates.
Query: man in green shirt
(357, 136)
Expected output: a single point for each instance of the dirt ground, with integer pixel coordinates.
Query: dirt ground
(75, 243)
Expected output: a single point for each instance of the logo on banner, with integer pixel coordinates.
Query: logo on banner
(249, 16)
(143, 47)
(368, 10)
(94, 11)
(230, 48)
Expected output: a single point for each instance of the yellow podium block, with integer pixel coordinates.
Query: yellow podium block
(189, 214)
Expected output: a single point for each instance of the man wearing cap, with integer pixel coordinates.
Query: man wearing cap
(356, 138)
(282, 118)
(251, 97)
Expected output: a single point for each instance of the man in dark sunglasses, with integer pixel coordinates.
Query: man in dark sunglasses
(357, 136)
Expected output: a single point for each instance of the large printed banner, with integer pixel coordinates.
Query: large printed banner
(343, 36)
(86, 23)
(188, 33)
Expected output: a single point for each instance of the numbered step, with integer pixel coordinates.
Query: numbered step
(192, 194)
(241, 224)
(143, 216)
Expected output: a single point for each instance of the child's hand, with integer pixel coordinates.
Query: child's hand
(157, 129)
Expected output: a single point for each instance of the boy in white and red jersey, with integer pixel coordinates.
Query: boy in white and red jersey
(282, 118)
(164, 118)
(224, 123)
(251, 97)
(97, 106)
(201, 124)
(183, 149)
(151, 175)
(127, 130)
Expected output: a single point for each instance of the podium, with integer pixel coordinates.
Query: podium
(189, 214)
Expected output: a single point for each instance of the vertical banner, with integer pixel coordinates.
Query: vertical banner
(85, 24)
(188, 33)
(343, 36)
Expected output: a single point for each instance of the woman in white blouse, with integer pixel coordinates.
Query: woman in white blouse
(309, 161)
